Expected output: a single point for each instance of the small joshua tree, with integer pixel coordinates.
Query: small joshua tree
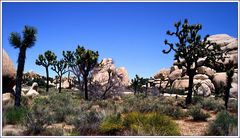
(46, 60)
(28, 40)
(137, 84)
(60, 68)
(191, 49)
(70, 59)
(82, 61)
(230, 73)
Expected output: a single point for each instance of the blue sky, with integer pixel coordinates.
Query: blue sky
(130, 33)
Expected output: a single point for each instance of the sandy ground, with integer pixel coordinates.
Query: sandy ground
(188, 127)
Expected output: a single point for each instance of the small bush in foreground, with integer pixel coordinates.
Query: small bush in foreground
(87, 122)
(15, 115)
(197, 113)
(111, 125)
(151, 124)
(224, 125)
(213, 104)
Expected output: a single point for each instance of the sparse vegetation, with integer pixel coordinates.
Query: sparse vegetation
(223, 125)
(197, 113)
(152, 124)
(15, 116)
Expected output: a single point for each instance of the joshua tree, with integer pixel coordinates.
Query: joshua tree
(28, 40)
(191, 49)
(230, 73)
(160, 84)
(46, 60)
(137, 84)
(86, 60)
(70, 59)
(82, 61)
(60, 68)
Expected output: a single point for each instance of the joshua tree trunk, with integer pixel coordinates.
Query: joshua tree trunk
(60, 84)
(190, 87)
(86, 87)
(20, 69)
(135, 90)
(47, 79)
(227, 92)
(69, 81)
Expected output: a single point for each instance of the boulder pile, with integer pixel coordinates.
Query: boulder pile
(8, 73)
(207, 80)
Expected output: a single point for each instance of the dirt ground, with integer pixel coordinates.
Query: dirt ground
(188, 127)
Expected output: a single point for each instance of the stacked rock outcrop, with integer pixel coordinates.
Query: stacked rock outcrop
(207, 80)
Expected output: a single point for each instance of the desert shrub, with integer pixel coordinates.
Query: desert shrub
(197, 100)
(224, 124)
(213, 104)
(53, 132)
(111, 125)
(15, 115)
(25, 101)
(153, 124)
(38, 117)
(87, 122)
(233, 105)
(3, 119)
(161, 105)
(61, 105)
(174, 91)
(70, 119)
(197, 113)
(173, 111)
(102, 103)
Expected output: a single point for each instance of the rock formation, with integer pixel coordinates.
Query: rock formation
(8, 73)
(207, 80)
(33, 91)
(118, 76)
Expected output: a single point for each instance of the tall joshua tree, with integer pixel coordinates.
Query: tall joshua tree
(60, 68)
(86, 60)
(46, 60)
(191, 49)
(28, 40)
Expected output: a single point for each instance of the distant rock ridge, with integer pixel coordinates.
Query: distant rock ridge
(208, 79)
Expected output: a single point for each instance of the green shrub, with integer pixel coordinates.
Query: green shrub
(152, 124)
(87, 122)
(223, 125)
(233, 105)
(15, 115)
(174, 91)
(213, 104)
(38, 117)
(173, 111)
(197, 113)
(197, 100)
(111, 125)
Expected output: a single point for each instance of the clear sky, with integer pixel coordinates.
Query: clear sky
(130, 33)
